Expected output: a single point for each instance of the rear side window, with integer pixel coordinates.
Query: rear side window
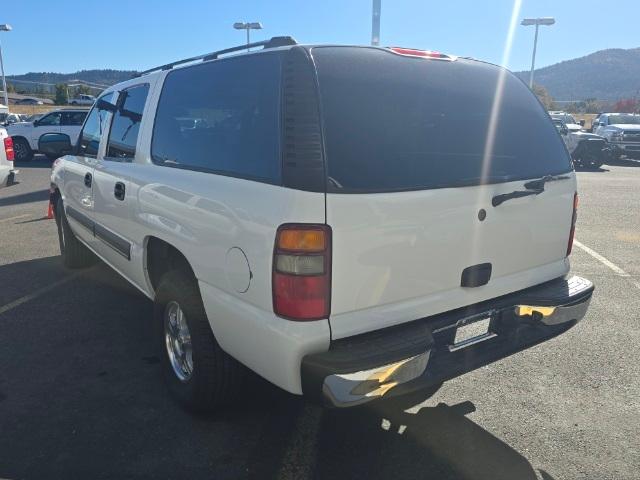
(94, 125)
(395, 123)
(123, 135)
(222, 117)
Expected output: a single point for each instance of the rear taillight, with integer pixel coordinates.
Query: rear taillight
(574, 217)
(8, 149)
(302, 272)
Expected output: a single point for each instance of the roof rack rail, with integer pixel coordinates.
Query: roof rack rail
(273, 42)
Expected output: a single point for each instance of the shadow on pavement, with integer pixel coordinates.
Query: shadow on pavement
(437, 442)
(81, 397)
(22, 278)
(42, 195)
(39, 161)
(624, 162)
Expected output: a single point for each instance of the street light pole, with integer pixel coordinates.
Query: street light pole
(537, 22)
(533, 57)
(375, 22)
(4, 28)
(248, 26)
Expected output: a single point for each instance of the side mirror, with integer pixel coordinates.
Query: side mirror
(54, 144)
(35, 123)
(564, 130)
(582, 123)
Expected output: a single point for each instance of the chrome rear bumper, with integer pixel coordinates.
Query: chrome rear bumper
(417, 355)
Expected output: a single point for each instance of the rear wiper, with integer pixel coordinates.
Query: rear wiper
(539, 184)
(534, 187)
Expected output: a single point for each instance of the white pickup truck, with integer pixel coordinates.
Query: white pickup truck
(26, 134)
(317, 215)
(622, 131)
(82, 100)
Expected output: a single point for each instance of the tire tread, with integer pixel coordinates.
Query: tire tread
(74, 253)
(217, 377)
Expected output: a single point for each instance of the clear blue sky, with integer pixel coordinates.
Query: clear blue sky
(69, 35)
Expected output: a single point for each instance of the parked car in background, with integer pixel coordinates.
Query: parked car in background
(594, 122)
(321, 218)
(26, 134)
(622, 131)
(10, 118)
(29, 101)
(567, 119)
(14, 118)
(7, 172)
(586, 149)
(82, 100)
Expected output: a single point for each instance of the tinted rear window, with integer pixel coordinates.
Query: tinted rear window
(222, 117)
(399, 123)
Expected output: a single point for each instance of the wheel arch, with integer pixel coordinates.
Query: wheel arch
(21, 137)
(161, 256)
(54, 195)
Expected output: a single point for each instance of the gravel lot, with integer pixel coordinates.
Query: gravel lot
(81, 396)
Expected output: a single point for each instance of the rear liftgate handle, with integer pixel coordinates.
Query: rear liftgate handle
(476, 275)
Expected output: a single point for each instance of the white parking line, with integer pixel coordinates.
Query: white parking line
(605, 262)
(36, 294)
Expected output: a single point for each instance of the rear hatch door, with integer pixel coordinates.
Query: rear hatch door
(416, 151)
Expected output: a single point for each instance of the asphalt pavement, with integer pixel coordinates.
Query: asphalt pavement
(81, 395)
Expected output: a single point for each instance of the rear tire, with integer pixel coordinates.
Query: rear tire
(212, 378)
(74, 253)
(22, 150)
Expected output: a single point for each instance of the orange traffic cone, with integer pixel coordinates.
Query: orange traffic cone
(50, 210)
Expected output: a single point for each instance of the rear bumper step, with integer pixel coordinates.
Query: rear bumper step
(423, 353)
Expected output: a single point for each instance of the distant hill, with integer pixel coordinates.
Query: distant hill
(606, 75)
(103, 77)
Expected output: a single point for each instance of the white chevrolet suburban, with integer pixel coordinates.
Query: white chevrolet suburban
(318, 215)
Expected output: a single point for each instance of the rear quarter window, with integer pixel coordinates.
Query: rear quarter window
(394, 123)
(222, 117)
